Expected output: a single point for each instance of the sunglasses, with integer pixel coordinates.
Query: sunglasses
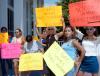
(16, 32)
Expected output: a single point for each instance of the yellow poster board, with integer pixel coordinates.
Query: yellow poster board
(58, 60)
(3, 38)
(49, 16)
(31, 61)
(36, 38)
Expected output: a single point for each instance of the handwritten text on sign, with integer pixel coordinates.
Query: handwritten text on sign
(49, 16)
(10, 50)
(57, 60)
(31, 61)
(85, 13)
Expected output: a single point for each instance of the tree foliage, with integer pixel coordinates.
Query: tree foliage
(64, 4)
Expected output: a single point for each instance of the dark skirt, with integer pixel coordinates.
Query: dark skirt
(90, 64)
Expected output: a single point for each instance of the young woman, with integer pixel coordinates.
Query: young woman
(31, 46)
(6, 61)
(90, 62)
(19, 38)
(70, 46)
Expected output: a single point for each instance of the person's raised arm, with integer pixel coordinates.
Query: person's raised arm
(60, 34)
(79, 34)
(39, 34)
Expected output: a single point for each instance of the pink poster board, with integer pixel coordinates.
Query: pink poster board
(10, 50)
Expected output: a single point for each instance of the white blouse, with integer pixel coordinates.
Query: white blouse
(31, 47)
(90, 47)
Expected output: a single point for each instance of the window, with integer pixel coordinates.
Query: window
(11, 3)
(10, 22)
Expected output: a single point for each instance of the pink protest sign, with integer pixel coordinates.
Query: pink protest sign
(10, 50)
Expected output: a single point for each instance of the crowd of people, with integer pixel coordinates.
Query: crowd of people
(83, 53)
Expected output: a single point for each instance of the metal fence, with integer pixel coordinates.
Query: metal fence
(60, 42)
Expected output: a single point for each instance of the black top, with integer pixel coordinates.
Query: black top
(49, 41)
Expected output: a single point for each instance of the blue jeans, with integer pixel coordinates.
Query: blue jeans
(72, 72)
(3, 67)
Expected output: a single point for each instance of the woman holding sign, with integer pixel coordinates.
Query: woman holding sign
(32, 46)
(6, 61)
(18, 39)
(70, 46)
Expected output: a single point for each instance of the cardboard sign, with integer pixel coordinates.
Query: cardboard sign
(3, 38)
(57, 60)
(10, 50)
(49, 16)
(85, 13)
(31, 61)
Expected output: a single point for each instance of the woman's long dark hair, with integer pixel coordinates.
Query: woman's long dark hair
(73, 30)
(95, 33)
(29, 38)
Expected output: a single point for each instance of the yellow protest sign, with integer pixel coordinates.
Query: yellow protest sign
(3, 38)
(58, 60)
(49, 16)
(36, 38)
(31, 61)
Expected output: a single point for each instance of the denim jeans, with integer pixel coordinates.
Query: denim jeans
(72, 72)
